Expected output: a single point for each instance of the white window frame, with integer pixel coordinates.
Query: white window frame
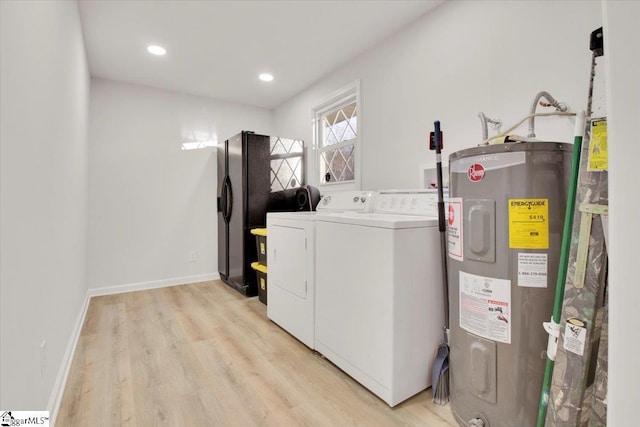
(338, 99)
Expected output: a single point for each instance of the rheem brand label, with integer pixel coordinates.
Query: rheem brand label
(475, 172)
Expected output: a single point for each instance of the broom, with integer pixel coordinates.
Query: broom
(440, 373)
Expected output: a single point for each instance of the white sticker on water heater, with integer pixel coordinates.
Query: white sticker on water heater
(532, 270)
(454, 229)
(485, 306)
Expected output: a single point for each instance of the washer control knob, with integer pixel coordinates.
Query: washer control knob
(355, 199)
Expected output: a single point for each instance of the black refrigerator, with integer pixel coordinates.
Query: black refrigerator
(250, 168)
(243, 195)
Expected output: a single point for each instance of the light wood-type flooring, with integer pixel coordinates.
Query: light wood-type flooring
(203, 355)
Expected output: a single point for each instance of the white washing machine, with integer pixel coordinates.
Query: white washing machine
(291, 240)
(379, 303)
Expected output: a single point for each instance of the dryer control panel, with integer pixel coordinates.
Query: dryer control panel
(356, 201)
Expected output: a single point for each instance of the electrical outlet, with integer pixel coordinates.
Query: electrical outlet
(43, 357)
(193, 256)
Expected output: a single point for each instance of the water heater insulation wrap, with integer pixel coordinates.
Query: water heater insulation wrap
(505, 219)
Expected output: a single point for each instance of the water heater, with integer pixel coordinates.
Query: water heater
(504, 230)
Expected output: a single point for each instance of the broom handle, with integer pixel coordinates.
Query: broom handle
(564, 259)
(442, 224)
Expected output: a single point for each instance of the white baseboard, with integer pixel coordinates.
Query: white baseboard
(141, 286)
(61, 380)
(63, 372)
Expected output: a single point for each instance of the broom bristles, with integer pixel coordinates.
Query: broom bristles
(440, 383)
(441, 392)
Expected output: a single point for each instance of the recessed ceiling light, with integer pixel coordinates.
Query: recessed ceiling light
(157, 50)
(265, 77)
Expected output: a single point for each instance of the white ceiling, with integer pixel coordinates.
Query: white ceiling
(218, 48)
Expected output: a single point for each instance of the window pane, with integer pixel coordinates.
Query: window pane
(338, 164)
(340, 125)
(286, 163)
(286, 173)
(285, 145)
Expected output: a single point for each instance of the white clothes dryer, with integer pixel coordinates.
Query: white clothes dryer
(291, 262)
(379, 300)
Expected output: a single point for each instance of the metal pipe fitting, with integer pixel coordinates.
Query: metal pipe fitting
(484, 120)
(551, 102)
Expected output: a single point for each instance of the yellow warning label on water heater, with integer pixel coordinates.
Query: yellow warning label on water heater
(529, 223)
(598, 152)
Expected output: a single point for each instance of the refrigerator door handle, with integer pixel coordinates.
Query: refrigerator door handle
(229, 199)
(222, 199)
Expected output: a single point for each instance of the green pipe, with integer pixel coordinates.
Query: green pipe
(564, 258)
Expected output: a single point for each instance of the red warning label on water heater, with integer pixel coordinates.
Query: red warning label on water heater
(454, 229)
(475, 172)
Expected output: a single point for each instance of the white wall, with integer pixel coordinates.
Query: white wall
(43, 193)
(622, 44)
(465, 57)
(150, 203)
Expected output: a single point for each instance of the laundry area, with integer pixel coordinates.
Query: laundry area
(320, 213)
(462, 271)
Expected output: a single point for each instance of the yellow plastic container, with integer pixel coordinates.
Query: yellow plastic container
(261, 278)
(261, 244)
